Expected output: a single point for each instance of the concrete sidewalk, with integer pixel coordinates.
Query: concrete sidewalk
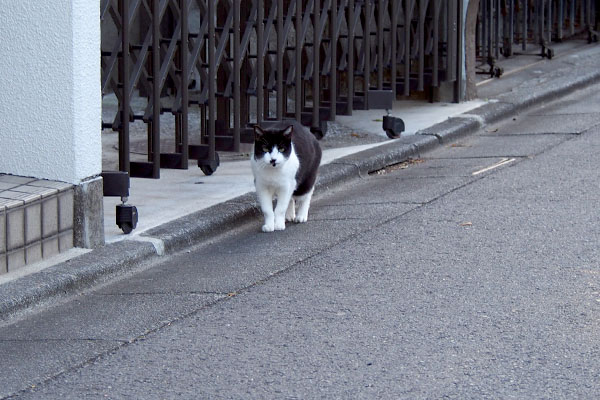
(204, 207)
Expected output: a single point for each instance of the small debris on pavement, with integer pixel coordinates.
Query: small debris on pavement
(395, 167)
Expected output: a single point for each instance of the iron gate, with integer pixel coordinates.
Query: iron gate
(505, 26)
(231, 64)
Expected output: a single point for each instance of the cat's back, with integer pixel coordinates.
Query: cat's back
(306, 145)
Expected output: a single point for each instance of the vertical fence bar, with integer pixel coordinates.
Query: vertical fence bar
(572, 17)
(588, 14)
(436, 43)
(511, 29)
(316, 63)
(581, 13)
(497, 30)
(484, 26)
(333, 36)
(350, 72)
(490, 30)
(125, 100)
(212, 81)
(366, 46)
(394, 44)
(185, 74)
(550, 22)
(260, 61)
(421, 71)
(298, 60)
(525, 12)
(380, 42)
(280, 53)
(155, 124)
(561, 19)
(236, 75)
(407, 18)
(534, 21)
(540, 22)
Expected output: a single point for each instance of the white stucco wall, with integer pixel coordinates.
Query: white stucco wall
(50, 100)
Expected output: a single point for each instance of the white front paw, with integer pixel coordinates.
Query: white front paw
(290, 217)
(280, 225)
(301, 218)
(268, 227)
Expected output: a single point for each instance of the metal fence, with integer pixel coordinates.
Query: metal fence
(226, 65)
(511, 27)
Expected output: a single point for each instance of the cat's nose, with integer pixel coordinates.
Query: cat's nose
(273, 162)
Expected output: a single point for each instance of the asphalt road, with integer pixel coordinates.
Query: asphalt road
(472, 272)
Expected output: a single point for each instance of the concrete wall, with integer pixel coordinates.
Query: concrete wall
(50, 100)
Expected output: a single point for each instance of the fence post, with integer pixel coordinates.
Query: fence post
(316, 64)
(351, 28)
(125, 100)
(333, 50)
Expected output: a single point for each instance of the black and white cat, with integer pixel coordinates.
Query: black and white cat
(285, 163)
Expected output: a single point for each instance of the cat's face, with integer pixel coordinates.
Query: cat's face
(272, 147)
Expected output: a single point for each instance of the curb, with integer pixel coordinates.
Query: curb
(112, 260)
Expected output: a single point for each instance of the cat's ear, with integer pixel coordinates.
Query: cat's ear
(288, 131)
(258, 132)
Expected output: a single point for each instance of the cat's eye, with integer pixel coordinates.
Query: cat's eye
(265, 149)
(281, 148)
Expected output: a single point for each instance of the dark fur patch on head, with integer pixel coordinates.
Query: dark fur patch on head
(265, 140)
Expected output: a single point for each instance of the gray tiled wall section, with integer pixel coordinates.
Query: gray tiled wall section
(50, 247)
(33, 222)
(49, 217)
(33, 253)
(65, 210)
(65, 240)
(16, 259)
(15, 228)
(36, 220)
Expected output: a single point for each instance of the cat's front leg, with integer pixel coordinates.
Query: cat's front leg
(283, 201)
(290, 214)
(265, 200)
(303, 206)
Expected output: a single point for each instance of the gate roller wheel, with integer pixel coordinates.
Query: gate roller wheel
(391, 134)
(126, 217)
(498, 71)
(209, 168)
(126, 228)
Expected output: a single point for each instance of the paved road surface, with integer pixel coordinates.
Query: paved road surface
(440, 278)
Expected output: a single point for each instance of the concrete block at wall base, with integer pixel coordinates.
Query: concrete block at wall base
(65, 240)
(33, 253)
(49, 247)
(88, 218)
(16, 259)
